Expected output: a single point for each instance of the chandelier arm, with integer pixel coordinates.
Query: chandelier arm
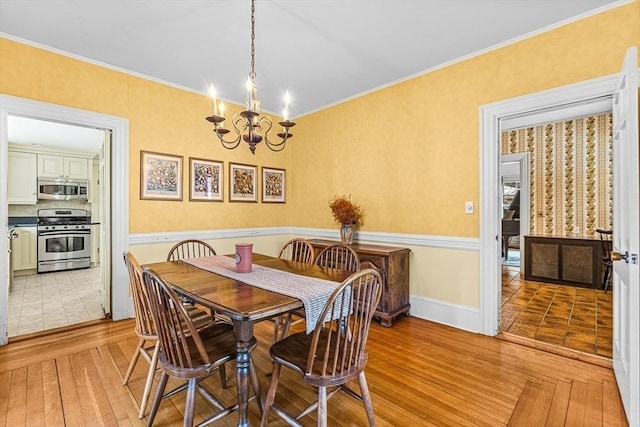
(265, 125)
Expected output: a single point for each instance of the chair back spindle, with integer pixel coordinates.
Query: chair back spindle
(191, 248)
(338, 346)
(174, 327)
(298, 250)
(144, 320)
(339, 256)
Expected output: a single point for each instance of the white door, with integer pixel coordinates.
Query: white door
(105, 222)
(626, 238)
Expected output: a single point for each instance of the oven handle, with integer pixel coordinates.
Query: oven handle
(63, 232)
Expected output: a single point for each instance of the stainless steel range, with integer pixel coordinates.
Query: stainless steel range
(64, 239)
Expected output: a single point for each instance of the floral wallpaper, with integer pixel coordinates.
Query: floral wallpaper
(571, 174)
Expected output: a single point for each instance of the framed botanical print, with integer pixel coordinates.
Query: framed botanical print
(160, 176)
(273, 185)
(243, 183)
(206, 180)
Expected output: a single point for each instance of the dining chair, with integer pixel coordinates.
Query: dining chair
(188, 353)
(190, 248)
(338, 256)
(299, 250)
(194, 248)
(145, 329)
(605, 239)
(334, 353)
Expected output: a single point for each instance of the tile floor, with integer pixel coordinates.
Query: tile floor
(52, 300)
(576, 318)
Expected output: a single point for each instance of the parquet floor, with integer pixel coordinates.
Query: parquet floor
(579, 319)
(420, 374)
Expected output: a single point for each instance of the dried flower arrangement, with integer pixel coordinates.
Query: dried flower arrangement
(344, 210)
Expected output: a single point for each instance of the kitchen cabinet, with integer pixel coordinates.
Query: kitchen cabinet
(24, 248)
(54, 166)
(393, 265)
(21, 178)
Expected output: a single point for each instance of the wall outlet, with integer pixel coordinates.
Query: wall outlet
(468, 207)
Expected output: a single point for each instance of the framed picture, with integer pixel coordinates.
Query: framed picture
(160, 176)
(273, 185)
(243, 183)
(206, 180)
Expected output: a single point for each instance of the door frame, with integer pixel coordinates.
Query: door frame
(491, 116)
(10, 105)
(523, 160)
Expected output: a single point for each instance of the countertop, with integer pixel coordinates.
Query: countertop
(22, 221)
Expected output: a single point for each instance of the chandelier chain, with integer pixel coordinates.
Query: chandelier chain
(252, 74)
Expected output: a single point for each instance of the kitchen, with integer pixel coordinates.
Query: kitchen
(54, 204)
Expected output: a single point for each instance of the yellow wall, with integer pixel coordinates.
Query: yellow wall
(408, 153)
(161, 118)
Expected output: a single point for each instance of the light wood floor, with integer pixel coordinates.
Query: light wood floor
(419, 373)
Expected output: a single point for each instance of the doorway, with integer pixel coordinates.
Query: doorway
(554, 104)
(571, 175)
(115, 228)
(72, 285)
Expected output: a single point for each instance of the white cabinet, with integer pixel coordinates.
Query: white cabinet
(25, 246)
(21, 178)
(52, 166)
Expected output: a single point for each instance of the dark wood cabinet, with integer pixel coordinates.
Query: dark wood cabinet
(567, 260)
(393, 265)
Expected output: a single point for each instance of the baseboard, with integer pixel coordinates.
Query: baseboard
(455, 315)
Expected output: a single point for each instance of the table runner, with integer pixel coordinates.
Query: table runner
(313, 292)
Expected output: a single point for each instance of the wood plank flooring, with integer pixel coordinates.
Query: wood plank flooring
(420, 374)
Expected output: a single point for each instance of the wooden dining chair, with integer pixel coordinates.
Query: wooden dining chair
(298, 250)
(194, 248)
(190, 248)
(188, 353)
(335, 353)
(607, 264)
(339, 256)
(147, 337)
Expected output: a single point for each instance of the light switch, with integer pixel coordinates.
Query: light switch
(468, 207)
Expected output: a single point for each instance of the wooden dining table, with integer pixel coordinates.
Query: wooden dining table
(244, 304)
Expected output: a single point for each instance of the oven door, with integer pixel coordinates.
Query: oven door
(64, 244)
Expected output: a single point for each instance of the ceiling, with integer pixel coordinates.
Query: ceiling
(41, 133)
(322, 51)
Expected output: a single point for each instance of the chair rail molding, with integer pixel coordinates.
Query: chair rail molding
(444, 242)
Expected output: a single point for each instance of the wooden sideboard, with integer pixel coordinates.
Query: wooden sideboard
(393, 265)
(566, 260)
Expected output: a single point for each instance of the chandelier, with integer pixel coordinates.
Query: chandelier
(249, 125)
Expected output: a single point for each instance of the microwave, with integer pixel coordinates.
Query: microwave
(63, 189)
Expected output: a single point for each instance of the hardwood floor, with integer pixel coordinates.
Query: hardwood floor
(419, 373)
(578, 319)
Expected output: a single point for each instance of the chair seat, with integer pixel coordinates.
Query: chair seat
(293, 352)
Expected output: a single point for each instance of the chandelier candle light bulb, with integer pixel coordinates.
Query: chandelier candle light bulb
(212, 94)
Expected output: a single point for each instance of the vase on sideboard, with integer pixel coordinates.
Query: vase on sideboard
(347, 232)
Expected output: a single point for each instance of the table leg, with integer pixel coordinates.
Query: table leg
(244, 335)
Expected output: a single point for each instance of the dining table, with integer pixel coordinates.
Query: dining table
(243, 303)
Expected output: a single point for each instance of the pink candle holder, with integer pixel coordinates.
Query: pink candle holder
(244, 257)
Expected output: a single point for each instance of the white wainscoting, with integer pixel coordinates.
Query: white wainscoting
(438, 310)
